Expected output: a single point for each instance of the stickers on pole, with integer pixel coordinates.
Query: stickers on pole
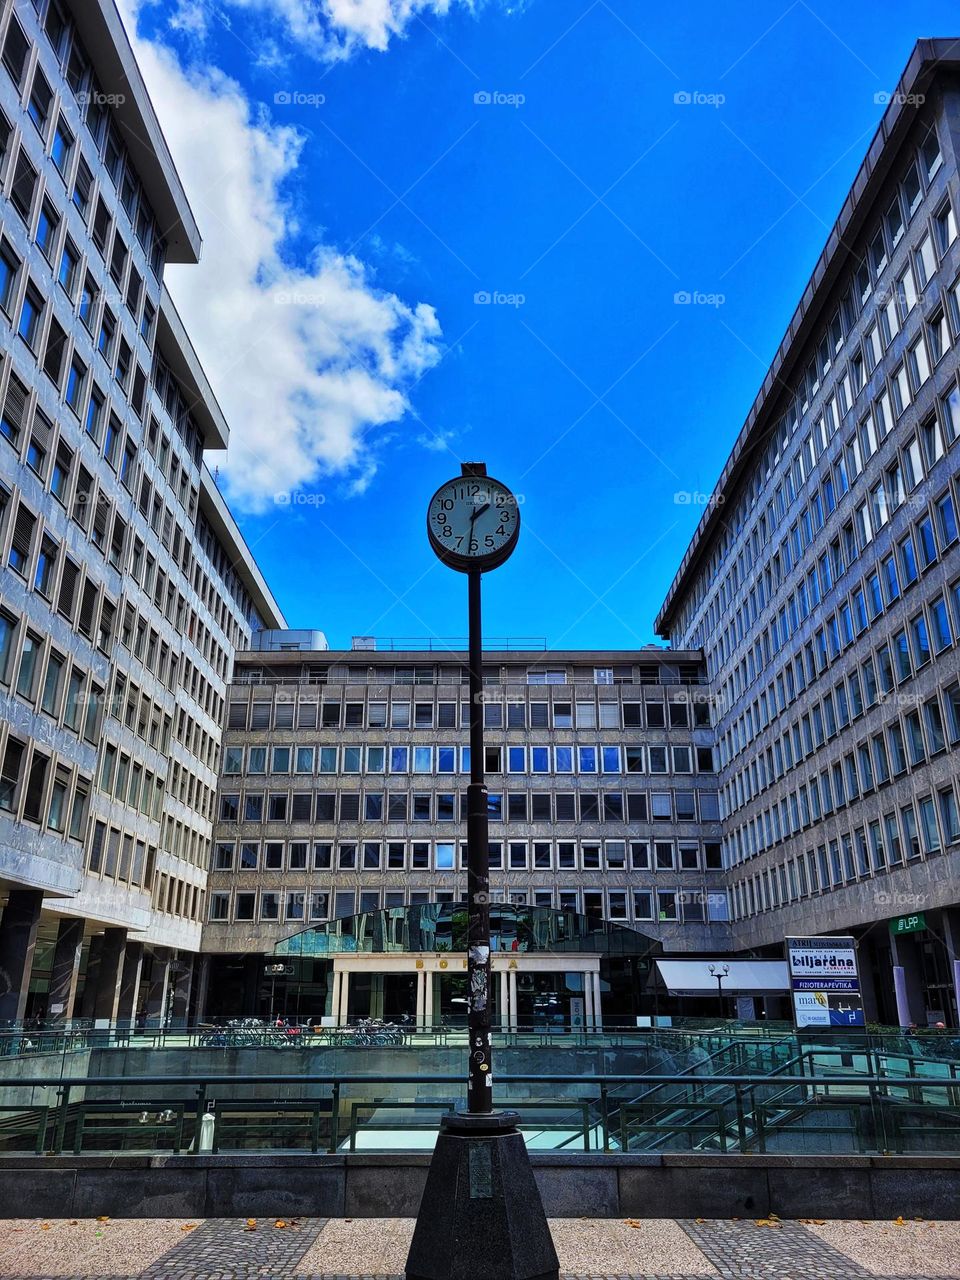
(824, 981)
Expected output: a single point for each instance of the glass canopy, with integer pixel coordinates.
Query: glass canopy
(442, 926)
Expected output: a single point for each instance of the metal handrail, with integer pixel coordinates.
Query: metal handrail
(879, 1091)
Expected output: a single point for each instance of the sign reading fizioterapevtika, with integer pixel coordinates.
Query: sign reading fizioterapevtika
(824, 982)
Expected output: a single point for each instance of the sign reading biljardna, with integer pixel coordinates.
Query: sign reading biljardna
(824, 982)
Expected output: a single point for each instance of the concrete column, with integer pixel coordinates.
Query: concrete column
(587, 1002)
(181, 976)
(130, 984)
(18, 939)
(514, 1011)
(868, 992)
(951, 938)
(420, 990)
(332, 1002)
(251, 984)
(504, 1001)
(66, 969)
(107, 994)
(201, 985)
(911, 1006)
(344, 1016)
(428, 999)
(91, 976)
(156, 1011)
(597, 1006)
(376, 995)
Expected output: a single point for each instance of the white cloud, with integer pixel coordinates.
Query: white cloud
(333, 29)
(303, 359)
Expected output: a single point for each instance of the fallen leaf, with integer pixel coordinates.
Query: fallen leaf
(191, 1226)
(104, 1219)
(699, 1219)
(279, 1224)
(631, 1222)
(44, 1226)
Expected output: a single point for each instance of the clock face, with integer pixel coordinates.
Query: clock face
(473, 522)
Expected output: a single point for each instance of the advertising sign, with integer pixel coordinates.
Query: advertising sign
(824, 982)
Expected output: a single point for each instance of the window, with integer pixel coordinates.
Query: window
(30, 313)
(10, 774)
(926, 261)
(47, 225)
(46, 564)
(667, 905)
(54, 354)
(24, 185)
(62, 145)
(22, 540)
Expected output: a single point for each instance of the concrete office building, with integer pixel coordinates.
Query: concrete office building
(125, 586)
(293, 813)
(341, 793)
(823, 582)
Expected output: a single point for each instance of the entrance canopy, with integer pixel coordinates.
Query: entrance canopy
(746, 977)
(442, 926)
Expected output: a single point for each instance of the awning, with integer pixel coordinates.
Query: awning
(746, 977)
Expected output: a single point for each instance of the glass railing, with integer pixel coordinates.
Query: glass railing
(217, 1113)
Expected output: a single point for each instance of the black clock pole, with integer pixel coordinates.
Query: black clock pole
(481, 1216)
(480, 1081)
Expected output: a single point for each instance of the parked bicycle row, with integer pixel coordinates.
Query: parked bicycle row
(255, 1033)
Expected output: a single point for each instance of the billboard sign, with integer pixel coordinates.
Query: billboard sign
(824, 982)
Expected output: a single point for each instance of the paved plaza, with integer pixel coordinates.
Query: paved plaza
(589, 1249)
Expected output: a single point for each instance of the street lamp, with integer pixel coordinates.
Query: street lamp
(481, 1214)
(719, 971)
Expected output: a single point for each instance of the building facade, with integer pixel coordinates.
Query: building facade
(823, 583)
(204, 813)
(342, 793)
(125, 585)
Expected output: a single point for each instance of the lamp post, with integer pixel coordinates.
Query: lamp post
(720, 971)
(481, 1216)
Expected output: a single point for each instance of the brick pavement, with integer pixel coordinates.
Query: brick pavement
(221, 1249)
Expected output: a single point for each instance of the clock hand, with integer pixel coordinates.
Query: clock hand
(479, 512)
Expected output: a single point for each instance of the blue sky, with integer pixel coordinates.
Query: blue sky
(582, 197)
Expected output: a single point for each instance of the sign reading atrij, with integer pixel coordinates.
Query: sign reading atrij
(824, 982)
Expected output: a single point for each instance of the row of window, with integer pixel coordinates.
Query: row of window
(33, 667)
(37, 788)
(913, 551)
(37, 556)
(94, 509)
(662, 906)
(875, 680)
(893, 839)
(902, 474)
(424, 855)
(498, 713)
(906, 743)
(835, 479)
(518, 806)
(823, 376)
(91, 104)
(669, 672)
(177, 897)
(544, 759)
